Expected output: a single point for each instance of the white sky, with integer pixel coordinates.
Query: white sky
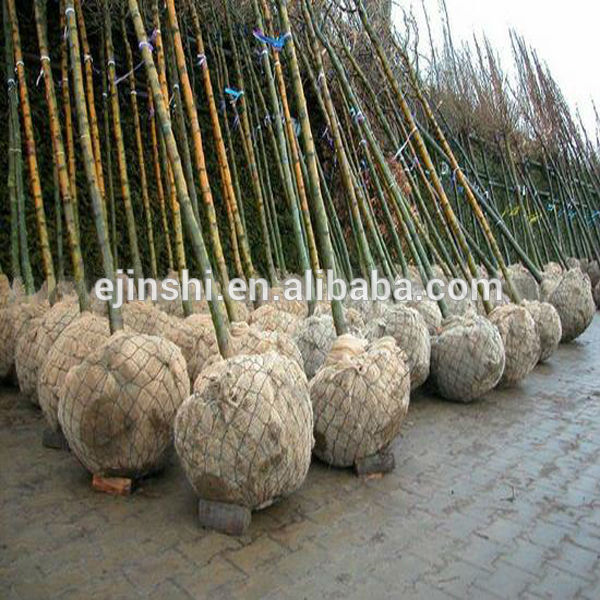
(565, 34)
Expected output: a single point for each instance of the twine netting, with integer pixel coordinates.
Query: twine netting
(79, 339)
(245, 435)
(354, 320)
(250, 340)
(593, 271)
(409, 330)
(314, 338)
(548, 326)
(573, 299)
(195, 337)
(118, 406)
(269, 318)
(521, 342)
(524, 282)
(145, 318)
(573, 263)
(295, 307)
(548, 285)
(360, 398)
(460, 308)
(467, 358)
(553, 269)
(6, 293)
(35, 343)
(18, 289)
(13, 321)
(430, 311)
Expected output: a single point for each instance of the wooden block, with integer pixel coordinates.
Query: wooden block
(117, 486)
(376, 464)
(54, 439)
(226, 518)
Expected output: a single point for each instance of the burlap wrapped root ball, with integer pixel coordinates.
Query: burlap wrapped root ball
(35, 343)
(548, 326)
(79, 339)
(354, 320)
(314, 338)
(268, 317)
(360, 398)
(521, 341)
(408, 328)
(245, 435)
(118, 406)
(6, 293)
(14, 320)
(276, 296)
(553, 269)
(573, 299)
(467, 358)
(593, 272)
(144, 318)
(524, 282)
(195, 337)
(430, 311)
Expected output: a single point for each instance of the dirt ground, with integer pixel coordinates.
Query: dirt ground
(500, 499)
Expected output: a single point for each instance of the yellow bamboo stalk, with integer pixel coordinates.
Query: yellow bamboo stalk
(160, 192)
(88, 65)
(30, 150)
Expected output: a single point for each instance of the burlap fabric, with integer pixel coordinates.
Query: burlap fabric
(593, 271)
(118, 406)
(430, 311)
(245, 435)
(6, 293)
(195, 337)
(553, 269)
(13, 321)
(521, 342)
(548, 326)
(467, 358)
(35, 343)
(269, 318)
(354, 320)
(250, 340)
(573, 299)
(144, 318)
(78, 340)
(597, 295)
(276, 297)
(314, 338)
(360, 398)
(408, 328)
(524, 282)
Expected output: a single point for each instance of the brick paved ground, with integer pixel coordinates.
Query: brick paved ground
(496, 500)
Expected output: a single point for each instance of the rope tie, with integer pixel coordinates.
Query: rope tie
(403, 147)
(146, 44)
(201, 60)
(69, 9)
(88, 58)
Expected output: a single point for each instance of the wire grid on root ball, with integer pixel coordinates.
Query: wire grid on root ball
(314, 338)
(573, 299)
(524, 282)
(467, 358)
(118, 406)
(246, 339)
(521, 341)
(144, 318)
(33, 346)
(360, 398)
(408, 328)
(268, 317)
(245, 435)
(548, 327)
(195, 337)
(13, 323)
(79, 339)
